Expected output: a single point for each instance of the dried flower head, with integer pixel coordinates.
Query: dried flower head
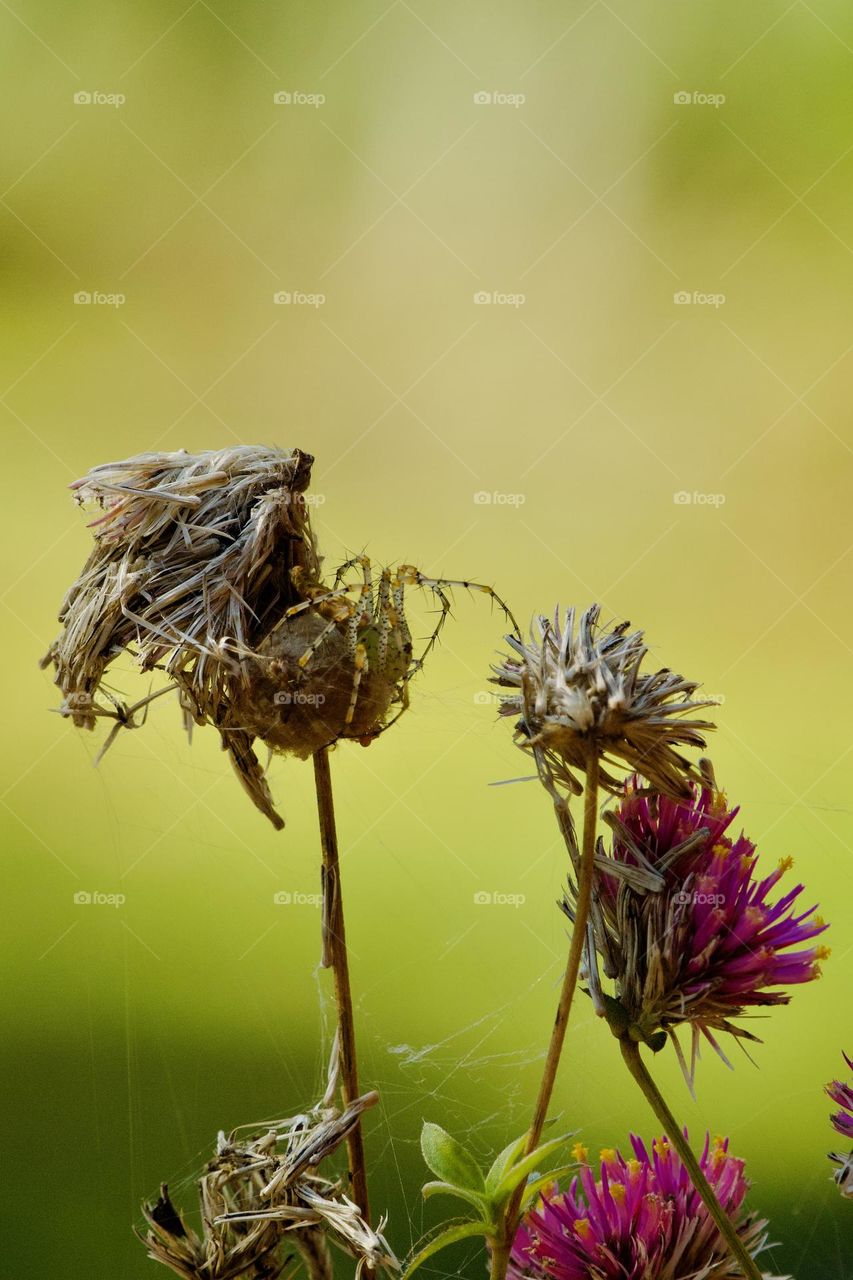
(579, 687)
(191, 569)
(639, 1219)
(713, 941)
(842, 1120)
(266, 1206)
(205, 568)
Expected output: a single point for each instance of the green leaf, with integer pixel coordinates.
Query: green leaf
(449, 1160)
(447, 1235)
(502, 1163)
(521, 1171)
(479, 1202)
(531, 1191)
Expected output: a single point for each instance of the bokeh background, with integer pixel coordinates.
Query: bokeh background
(585, 433)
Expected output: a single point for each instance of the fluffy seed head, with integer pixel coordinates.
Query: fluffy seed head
(579, 687)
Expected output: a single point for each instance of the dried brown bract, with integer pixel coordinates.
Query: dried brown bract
(579, 687)
(205, 568)
(266, 1211)
(191, 570)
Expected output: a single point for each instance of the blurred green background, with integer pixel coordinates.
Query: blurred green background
(582, 435)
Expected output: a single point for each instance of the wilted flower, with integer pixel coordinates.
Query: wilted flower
(191, 569)
(640, 1219)
(262, 1198)
(713, 941)
(578, 687)
(205, 568)
(842, 1120)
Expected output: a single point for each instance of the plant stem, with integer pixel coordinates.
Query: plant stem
(335, 957)
(655, 1099)
(585, 874)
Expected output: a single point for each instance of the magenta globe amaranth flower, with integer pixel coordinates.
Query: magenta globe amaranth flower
(714, 942)
(641, 1218)
(842, 1120)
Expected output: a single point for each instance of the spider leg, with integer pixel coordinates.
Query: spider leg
(360, 666)
(345, 567)
(414, 577)
(408, 574)
(316, 644)
(402, 626)
(366, 599)
(317, 600)
(386, 621)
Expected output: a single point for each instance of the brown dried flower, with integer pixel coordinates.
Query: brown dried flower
(205, 568)
(579, 687)
(191, 569)
(266, 1211)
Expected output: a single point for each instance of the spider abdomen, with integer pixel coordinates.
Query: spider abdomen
(296, 706)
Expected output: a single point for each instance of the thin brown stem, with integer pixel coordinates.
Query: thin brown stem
(585, 874)
(335, 957)
(655, 1099)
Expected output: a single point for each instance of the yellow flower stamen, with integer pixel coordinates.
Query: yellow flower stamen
(580, 1153)
(785, 864)
(583, 1228)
